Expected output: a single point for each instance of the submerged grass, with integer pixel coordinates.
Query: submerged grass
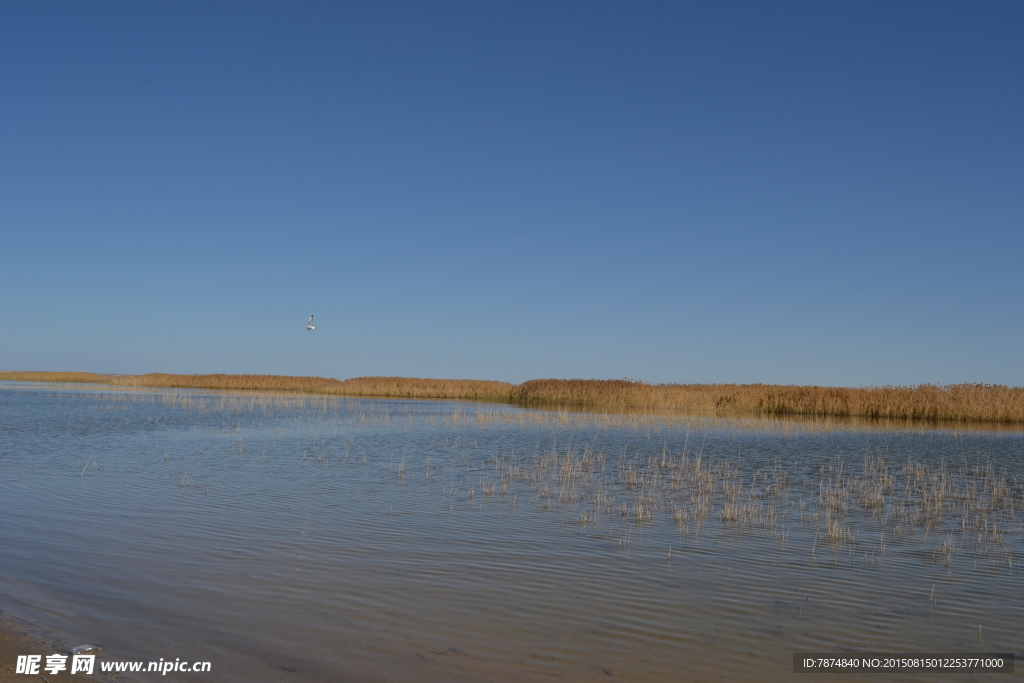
(962, 513)
(958, 402)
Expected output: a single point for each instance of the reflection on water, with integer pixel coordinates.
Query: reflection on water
(301, 539)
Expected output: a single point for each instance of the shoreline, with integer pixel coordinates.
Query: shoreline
(956, 403)
(620, 412)
(16, 640)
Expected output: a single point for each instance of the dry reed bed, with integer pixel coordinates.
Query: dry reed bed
(958, 402)
(928, 402)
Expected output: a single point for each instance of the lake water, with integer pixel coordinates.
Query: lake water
(306, 539)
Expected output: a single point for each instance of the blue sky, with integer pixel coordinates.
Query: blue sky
(820, 193)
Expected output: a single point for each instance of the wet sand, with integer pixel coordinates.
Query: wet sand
(16, 640)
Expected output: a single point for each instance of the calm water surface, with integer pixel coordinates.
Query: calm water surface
(291, 539)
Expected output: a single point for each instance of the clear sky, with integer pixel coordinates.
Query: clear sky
(820, 192)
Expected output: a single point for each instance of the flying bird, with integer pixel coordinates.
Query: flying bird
(309, 325)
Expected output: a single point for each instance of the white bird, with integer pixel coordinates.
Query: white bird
(309, 325)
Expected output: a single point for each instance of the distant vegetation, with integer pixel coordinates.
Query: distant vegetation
(983, 402)
(387, 387)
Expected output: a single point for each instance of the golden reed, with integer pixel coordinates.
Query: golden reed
(983, 402)
(928, 402)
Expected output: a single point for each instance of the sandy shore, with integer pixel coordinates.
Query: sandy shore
(15, 640)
